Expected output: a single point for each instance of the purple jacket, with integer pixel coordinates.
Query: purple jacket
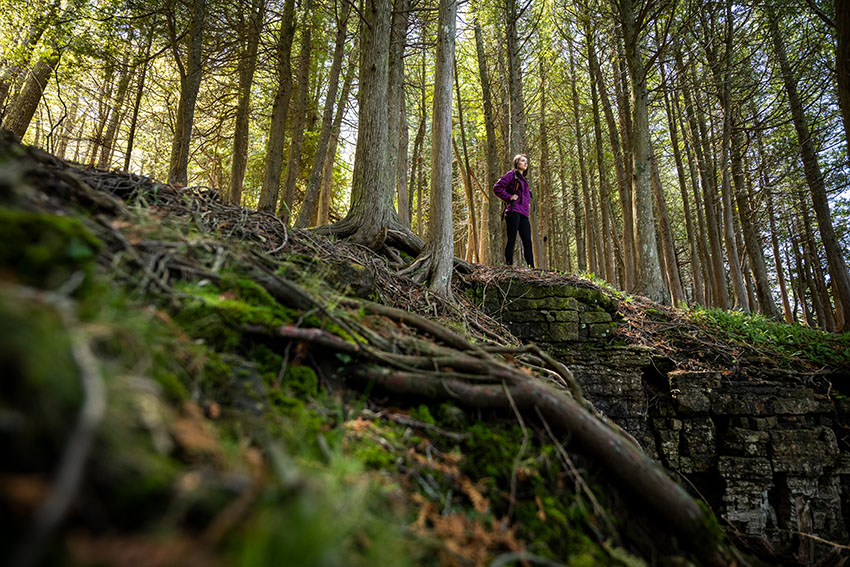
(507, 185)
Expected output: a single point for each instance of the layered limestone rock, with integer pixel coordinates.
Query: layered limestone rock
(763, 454)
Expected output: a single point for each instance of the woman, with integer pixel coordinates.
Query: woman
(513, 188)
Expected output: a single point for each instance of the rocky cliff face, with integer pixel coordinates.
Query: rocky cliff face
(762, 451)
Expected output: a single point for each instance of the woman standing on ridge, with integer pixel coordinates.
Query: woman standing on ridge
(513, 188)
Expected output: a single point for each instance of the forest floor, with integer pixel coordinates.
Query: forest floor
(191, 383)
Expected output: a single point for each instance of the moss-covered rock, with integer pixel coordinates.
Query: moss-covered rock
(44, 250)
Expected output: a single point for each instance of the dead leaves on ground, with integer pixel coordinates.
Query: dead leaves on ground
(469, 537)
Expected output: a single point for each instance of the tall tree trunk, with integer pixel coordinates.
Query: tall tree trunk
(649, 281)
(604, 198)
(401, 168)
(621, 89)
(467, 181)
(542, 232)
(623, 183)
(578, 224)
(323, 215)
(116, 115)
(835, 259)
(668, 246)
(440, 234)
(418, 144)
(104, 108)
(698, 295)
(372, 214)
(314, 183)
(68, 123)
(280, 108)
(568, 261)
(190, 84)
(722, 79)
(766, 189)
(493, 172)
(395, 93)
(752, 240)
(585, 256)
(516, 143)
(131, 136)
(817, 282)
(802, 279)
(842, 64)
(285, 207)
(250, 39)
(720, 296)
(19, 115)
(20, 55)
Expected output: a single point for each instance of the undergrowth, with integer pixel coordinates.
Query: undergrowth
(790, 341)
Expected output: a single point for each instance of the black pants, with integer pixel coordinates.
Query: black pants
(517, 221)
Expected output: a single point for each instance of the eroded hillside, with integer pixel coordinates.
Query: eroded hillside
(192, 383)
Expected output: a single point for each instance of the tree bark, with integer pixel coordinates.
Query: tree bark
(516, 143)
(131, 136)
(467, 183)
(68, 123)
(649, 281)
(668, 246)
(251, 30)
(306, 213)
(842, 64)
(371, 220)
(834, 256)
(720, 296)
(395, 92)
(323, 215)
(752, 240)
(722, 80)
(20, 55)
(280, 108)
(604, 197)
(586, 256)
(493, 171)
(190, 84)
(108, 146)
(284, 209)
(542, 230)
(440, 233)
(696, 275)
(20, 114)
(623, 186)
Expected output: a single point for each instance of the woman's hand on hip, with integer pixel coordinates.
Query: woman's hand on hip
(514, 197)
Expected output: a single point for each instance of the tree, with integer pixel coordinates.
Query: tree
(814, 177)
(280, 108)
(285, 207)
(372, 219)
(649, 281)
(492, 152)
(315, 180)
(190, 82)
(440, 232)
(250, 30)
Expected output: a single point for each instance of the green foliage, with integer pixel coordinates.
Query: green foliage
(787, 340)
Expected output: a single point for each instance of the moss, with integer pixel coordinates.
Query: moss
(40, 385)
(45, 250)
(423, 414)
(301, 380)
